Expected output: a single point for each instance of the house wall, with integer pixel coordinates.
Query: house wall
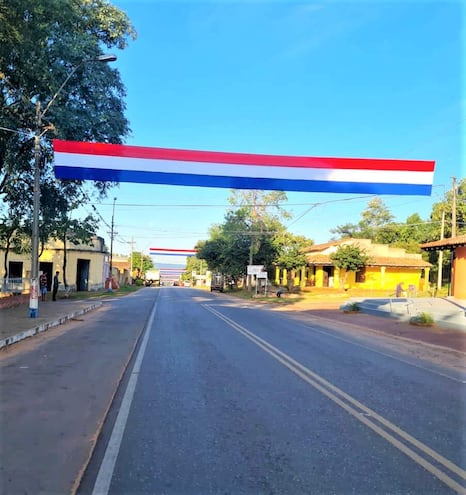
(377, 278)
(390, 277)
(96, 268)
(98, 264)
(458, 288)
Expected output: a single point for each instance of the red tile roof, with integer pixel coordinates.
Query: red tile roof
(450, 243)
(324, 259)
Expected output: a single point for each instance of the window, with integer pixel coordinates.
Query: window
(15, 269)
(361, 275)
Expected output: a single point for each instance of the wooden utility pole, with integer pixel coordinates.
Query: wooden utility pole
(453, 208)
(440, 254)
(131, 260)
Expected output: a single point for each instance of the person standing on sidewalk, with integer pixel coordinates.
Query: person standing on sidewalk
(55, 286)
(43, 285)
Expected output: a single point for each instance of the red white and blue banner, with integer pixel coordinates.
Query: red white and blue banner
(122, 163)
(172, 271)
(172, 252)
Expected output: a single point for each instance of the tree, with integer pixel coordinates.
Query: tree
(350, 258)
(141, 263)
(290, 253)
(262, 212)
(227, 251)
(445, 206)
(41, 43)
(371, 226)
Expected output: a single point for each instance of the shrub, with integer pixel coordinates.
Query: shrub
(352, 308)
(422, 319)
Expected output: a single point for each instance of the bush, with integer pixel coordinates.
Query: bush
(425, 319)
(351, 308)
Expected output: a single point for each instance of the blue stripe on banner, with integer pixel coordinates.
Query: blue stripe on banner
(241, 182)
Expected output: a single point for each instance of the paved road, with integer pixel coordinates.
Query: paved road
(55, 390)
(226, 398)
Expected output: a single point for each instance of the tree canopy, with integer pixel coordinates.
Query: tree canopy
(252, 233)
(43, 42)
(350, 258)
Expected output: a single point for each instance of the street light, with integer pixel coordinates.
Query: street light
(39, 132)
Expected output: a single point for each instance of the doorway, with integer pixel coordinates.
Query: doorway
(47, 268)
(82, 275)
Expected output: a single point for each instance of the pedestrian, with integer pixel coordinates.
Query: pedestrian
(399, 291)
(55, 286)
(43, 285)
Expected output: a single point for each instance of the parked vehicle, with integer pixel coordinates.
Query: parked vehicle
(152, 277)
(217, 282)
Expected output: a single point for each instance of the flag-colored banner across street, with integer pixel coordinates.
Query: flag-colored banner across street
(172, 252)
(123, 163)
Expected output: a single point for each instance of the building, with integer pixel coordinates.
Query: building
(458, 266)
(87, 266)
(387, 267)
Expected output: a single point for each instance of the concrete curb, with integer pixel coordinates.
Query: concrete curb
(45, 326)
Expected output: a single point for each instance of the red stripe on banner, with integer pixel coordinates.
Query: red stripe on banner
(143, 152)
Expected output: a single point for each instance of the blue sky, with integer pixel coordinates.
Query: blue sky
(345, 79)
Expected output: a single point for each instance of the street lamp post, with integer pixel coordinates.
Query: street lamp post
(39, 132)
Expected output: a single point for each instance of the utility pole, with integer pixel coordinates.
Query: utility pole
(110, 286)
(440, 254)
(453, 208)
(131, 260)
(34, 287)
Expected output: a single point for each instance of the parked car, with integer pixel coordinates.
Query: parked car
(217, 282)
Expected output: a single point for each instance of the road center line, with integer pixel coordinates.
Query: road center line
(358, 410)
(104, 477)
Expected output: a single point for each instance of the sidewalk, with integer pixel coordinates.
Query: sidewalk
(391, 317)
(16, 324)
(447, 312)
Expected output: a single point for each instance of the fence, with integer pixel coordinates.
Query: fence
(13, 285)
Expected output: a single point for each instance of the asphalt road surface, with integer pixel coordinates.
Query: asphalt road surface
(224, 398)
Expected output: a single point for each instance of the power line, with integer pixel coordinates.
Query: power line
(210, 205)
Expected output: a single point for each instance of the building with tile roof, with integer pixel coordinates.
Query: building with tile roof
(387, 267)
(457, 245)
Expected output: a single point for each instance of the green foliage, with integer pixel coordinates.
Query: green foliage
(141, 262)
(373, 219)
(290, 253)
(352, 307)
(422, 319)
(349, 257)
(195, 264)
(227, 251)
(445, 207)
(260, 206)
(42, 42)
(247, 235)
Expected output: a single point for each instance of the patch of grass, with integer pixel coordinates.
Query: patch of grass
(103, 294)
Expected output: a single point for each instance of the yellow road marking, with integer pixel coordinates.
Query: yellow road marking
(365, 415)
